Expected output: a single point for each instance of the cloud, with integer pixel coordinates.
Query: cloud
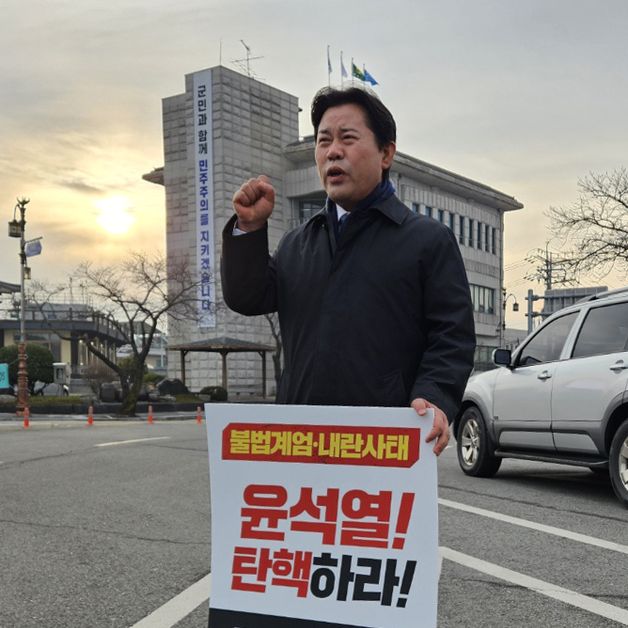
(79, 185)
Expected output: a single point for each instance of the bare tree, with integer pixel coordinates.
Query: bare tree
(135, 295)
(273, 321)
(595, 228)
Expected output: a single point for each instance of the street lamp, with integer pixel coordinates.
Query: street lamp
(515, 308)
(17, 229)
(515, 305)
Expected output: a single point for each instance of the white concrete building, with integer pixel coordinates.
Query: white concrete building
(226, 128)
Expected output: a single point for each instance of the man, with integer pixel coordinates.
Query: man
(373, 300)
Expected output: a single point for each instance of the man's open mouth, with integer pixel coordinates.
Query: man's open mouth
(335, 173)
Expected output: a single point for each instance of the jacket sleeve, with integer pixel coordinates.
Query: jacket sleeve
(249, 280)
(450, 331)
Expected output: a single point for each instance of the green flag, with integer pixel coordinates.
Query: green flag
(355, 71)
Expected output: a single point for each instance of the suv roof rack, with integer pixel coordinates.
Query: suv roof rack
(603, 295)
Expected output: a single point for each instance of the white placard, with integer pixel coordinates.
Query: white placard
(322, 516)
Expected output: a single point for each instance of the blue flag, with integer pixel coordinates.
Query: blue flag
(368, 78)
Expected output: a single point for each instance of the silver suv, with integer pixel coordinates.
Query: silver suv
(561, 396)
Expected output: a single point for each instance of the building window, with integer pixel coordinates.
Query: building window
(416, 208)
(487, 238)
(307, 209)
(428, 211)
(483, 299)
(461, 222)
(479, 238)
(490, 300)
(452, 222)
(471, 231)
(494, 240)
(441, 216)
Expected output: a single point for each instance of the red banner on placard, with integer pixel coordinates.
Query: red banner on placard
(322, 444)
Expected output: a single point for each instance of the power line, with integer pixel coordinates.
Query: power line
(514, 265)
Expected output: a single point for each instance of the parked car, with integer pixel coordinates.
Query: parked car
(560, 396)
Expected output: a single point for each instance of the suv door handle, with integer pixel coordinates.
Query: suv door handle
(544, 375)
(618, 366)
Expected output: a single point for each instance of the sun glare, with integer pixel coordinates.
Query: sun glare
(115, 214)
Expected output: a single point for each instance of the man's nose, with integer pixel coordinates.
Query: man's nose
(334, 150)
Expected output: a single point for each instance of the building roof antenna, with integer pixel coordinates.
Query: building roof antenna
(245, 64)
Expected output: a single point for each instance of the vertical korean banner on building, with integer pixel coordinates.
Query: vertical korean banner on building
(322, 517)
(203, 172)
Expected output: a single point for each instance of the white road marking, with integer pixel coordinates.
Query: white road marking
(584, 602)
(136, 440)
(524, 523)
(178, 607)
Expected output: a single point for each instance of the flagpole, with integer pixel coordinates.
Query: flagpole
(352, 82)
(328, 68)
(343, 71)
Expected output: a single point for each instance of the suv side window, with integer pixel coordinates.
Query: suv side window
(547, 345)
(605, 330)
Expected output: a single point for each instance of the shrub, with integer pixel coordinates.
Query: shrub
(38, 364)
(172, 387)
(188, 398)
(152, 377)
(60, 402)
(215, 393)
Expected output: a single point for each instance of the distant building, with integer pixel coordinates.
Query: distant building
(61, 328)
(559, 298)
(226, 128)
(8, 288)
(157, 358)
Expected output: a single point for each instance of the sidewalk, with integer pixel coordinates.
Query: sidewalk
(7, 418)
(101, 415)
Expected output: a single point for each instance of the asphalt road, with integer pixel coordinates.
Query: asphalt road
(100, 536)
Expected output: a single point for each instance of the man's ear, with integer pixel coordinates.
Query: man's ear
(388, 153)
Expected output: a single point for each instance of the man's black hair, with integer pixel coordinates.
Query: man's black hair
(378, 118)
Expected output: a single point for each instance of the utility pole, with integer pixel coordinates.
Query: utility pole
(546, 270)
(531, 314)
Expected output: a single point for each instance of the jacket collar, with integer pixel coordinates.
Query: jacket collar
(319, 217)
(391, 207)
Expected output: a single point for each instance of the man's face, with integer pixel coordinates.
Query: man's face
(348, 159)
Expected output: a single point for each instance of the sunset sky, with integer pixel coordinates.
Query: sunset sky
(526, 97)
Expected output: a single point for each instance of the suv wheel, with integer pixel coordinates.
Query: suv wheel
(475, 455)
(618, 463)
